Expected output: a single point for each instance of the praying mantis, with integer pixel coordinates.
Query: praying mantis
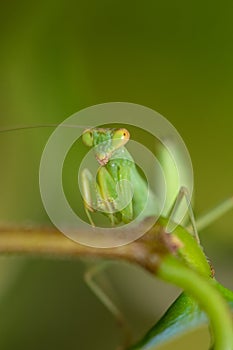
(116, 167)
(120, 206)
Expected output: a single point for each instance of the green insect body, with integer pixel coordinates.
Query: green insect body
(118, 190)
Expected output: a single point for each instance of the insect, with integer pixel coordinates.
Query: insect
(111, 191)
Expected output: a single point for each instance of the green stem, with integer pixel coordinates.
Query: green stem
(209, 299)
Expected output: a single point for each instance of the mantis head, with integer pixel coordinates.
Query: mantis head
(105, 141)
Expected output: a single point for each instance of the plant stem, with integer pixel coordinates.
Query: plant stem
(50, 242)
(149, 252)
(206, 294)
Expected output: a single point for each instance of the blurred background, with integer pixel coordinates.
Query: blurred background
(58, 57)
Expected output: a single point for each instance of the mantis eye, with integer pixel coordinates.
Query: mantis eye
(120, 137)
(87, 137)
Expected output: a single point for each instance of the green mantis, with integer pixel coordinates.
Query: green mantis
(118, 191)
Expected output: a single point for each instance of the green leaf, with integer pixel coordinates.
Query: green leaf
(183, 316)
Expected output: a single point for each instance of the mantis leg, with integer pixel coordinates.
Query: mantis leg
(107, 189)
(183, 193)
(96, 195)
(89, 193)
(100, 289)
(116, 192)
(206, 219)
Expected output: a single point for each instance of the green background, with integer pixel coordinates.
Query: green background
(58, 57)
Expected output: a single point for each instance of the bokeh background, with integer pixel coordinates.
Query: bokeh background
(58, 57)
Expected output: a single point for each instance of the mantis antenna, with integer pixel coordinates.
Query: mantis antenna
(25, 127)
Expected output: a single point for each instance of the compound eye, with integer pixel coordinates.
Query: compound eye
(87, 137)
(120, 137)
